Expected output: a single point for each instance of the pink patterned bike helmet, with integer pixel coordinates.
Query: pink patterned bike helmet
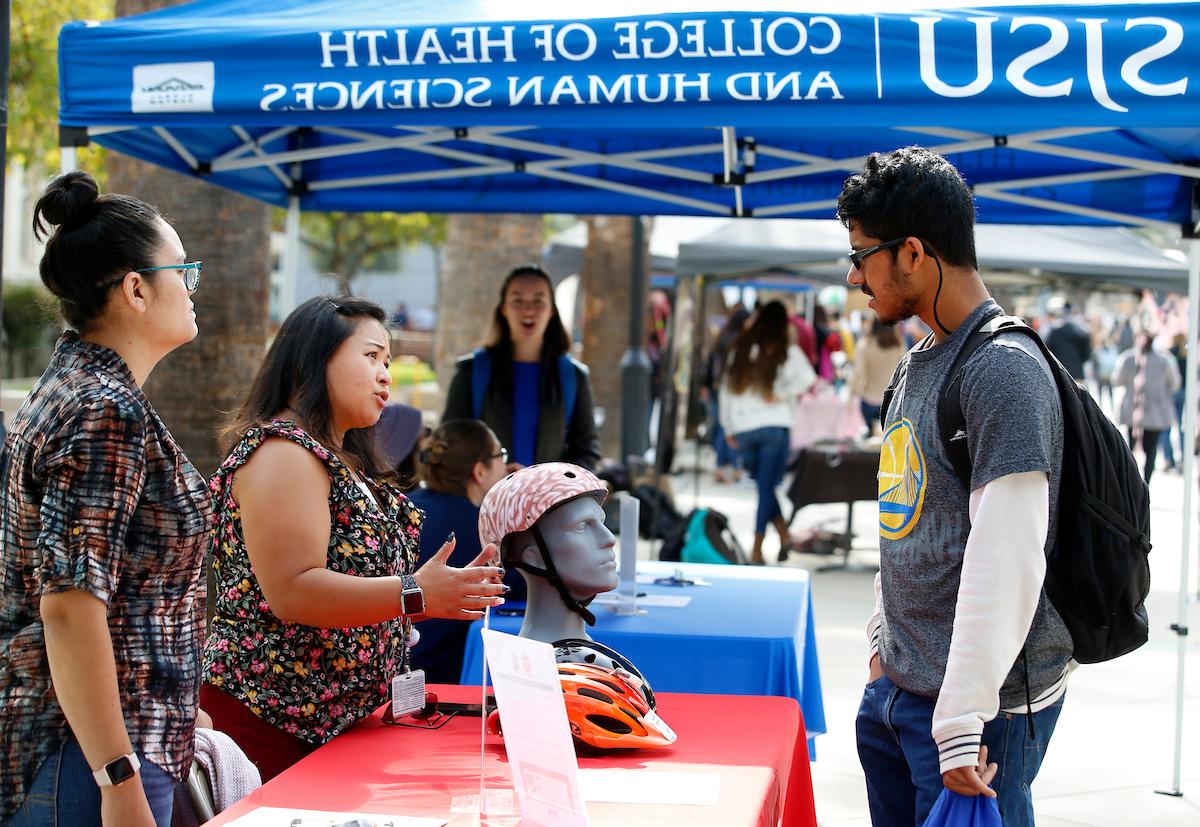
(518, 501)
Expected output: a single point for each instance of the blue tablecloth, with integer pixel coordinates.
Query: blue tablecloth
(749, 633)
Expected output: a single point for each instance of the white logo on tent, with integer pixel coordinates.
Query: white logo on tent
(173, 87)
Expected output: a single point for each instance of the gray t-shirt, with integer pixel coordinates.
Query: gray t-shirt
(1014, 425)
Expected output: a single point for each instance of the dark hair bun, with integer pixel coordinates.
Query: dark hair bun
(67, 198)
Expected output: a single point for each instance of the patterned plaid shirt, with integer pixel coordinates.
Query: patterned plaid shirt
(98, 497)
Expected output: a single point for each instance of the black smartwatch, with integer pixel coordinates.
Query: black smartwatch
(412, 599)
(117, 771)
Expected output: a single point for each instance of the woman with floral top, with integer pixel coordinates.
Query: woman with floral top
(102, 531)
(314, 547)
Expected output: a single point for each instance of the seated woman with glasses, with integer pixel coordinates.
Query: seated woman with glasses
(458, 464)
(314, 548)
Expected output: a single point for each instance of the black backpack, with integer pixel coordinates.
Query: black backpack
(1097, 572)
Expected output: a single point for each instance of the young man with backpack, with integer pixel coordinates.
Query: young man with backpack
(968, 657)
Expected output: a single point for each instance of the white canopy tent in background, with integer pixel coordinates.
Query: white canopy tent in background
(1095, 257)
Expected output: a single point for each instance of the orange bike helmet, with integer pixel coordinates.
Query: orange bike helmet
(606, 711)
(579, 650)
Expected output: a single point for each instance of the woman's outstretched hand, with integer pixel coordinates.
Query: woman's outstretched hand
(460, 594)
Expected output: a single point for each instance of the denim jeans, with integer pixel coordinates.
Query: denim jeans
(900, 758)
(765, 452)
(1165, 440)
(64, 793)
(726, 456)
(870, 414)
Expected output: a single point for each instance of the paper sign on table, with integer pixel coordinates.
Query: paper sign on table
(287, 817)
(640, 786)
(662, 601)
(537, 736)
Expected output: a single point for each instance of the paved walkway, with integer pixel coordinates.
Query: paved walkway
(1114, 743)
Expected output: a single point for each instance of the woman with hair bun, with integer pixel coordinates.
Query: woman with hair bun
(458, 463)
(102, 532)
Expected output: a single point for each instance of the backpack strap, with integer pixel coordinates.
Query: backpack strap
(952, 425)
(889, 392)
(481, 374)
(569, 384)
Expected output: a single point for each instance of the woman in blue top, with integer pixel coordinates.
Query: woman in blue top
(523, 385)
(459, 463)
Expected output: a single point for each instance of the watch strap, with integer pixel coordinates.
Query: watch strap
(117, 771)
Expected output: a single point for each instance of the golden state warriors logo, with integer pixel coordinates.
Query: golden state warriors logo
(901, 481)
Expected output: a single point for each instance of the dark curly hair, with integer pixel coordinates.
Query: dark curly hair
(913, 192)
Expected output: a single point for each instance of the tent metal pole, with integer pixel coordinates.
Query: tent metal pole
(635, 364)
(258, 150)
(291, 258)
(67, 162)
(5, 14)
(251, 143)
(700, 332)
(1180, 627)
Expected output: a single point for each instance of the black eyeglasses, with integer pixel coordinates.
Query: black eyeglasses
(191, 273)
(503, 455)
(857, 256)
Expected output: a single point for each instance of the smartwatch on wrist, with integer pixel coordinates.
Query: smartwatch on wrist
(412, 599)
(117, 771)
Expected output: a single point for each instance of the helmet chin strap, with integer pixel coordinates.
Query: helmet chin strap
(580, 607)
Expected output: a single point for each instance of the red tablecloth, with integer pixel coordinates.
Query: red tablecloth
(756, 744)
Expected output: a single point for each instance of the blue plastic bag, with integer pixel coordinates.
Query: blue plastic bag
(954, 810)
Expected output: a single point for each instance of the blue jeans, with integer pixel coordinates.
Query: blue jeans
(726, 456)
(764, 452)
(870, 414)
(1165, 440)
(64, 793)
(900, 758)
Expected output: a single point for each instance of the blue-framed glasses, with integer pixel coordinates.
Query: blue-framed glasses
(191, 273)
(857, 256)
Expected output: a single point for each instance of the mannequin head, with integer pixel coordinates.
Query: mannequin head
(584, 551)
(549, 524)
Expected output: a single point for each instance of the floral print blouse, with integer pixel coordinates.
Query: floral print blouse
(308, 681)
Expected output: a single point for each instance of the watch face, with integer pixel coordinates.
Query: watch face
(120, 770)
(414, 603)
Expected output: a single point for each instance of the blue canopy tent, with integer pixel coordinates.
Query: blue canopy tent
(1067, 114)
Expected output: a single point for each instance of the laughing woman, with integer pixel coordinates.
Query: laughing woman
(314, 548)
(523, 385)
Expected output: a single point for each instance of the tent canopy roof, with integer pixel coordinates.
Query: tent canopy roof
(662, 108)
(816, 251)
(1050, 253)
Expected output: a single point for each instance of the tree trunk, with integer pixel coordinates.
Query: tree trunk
(607, 265)
(195, 387)
(479, 251)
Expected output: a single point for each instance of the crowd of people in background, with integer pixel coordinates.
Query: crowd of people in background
(1128, 365)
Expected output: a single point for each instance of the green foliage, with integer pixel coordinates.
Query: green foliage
(33, 75)
(29, 318)
(345, 244)
(405, 372)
